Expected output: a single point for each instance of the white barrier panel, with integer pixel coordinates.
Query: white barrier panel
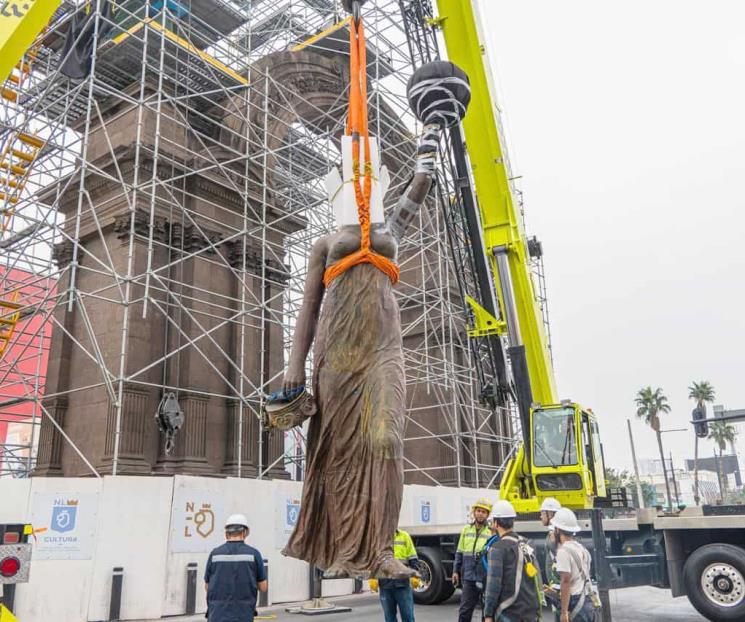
(14, 495)
(153, 527)
(134, 517)
(58, 589)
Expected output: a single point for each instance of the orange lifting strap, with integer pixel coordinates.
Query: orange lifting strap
(357, 127)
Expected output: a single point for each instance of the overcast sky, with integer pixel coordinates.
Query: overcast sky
(626, 122)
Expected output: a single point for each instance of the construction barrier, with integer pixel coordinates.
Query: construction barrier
(152, 531)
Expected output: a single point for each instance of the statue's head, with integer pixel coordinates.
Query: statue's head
(341, 191)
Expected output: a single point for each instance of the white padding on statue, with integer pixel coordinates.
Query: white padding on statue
(340, 188)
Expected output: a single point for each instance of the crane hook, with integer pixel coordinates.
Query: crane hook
(355, 8)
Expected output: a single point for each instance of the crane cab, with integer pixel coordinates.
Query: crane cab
(565, 460)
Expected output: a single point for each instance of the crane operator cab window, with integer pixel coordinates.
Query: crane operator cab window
(553, 436)
(555, 449)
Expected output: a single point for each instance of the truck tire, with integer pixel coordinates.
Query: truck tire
(435, 586)
(714, 577)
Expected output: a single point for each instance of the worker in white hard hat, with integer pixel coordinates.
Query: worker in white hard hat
(511, 593)
(467, 568)
(549, 507)
(234, 575)
(577, 599)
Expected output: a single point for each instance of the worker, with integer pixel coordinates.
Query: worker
(511, 594)
(234, 575)
(467, 568)
(398, 594)
(549, 507)
(578, 599)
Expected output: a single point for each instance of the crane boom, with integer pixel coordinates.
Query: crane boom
(20, 23)
(501, 222)
(560, 455)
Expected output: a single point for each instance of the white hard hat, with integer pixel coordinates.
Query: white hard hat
(503, 509)
(550, 505)
(236, 520)
(566, 520)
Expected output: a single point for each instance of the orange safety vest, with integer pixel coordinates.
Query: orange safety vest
(357, 128)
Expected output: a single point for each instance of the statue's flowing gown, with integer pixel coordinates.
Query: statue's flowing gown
(354, 477)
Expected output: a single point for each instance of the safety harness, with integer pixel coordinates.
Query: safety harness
(587, 588)
(525, 564)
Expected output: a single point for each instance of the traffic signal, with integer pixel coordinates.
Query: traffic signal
(702, 428)
(15, 553)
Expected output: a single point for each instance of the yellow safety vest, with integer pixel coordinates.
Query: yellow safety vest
(471, 540)
(403, 546)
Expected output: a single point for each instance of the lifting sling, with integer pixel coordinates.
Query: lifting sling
(357, 129)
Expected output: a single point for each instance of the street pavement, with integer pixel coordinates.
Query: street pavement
(640, 604)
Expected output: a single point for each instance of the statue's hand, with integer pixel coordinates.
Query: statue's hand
(294, 377)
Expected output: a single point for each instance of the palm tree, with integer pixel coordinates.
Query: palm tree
(722, 433)
(702, 392)
(650, 403)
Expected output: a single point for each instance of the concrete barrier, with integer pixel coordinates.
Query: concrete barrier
(154, 527)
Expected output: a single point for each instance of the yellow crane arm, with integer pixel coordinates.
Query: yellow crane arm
(562, 456)
(20, 23)
(501, 222)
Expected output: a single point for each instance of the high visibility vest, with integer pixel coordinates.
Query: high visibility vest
(403, 546)
(472, 540)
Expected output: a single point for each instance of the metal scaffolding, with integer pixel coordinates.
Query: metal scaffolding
(159, 239)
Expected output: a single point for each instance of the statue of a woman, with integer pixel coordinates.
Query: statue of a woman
(354, 476)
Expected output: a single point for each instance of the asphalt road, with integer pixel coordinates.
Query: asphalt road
(645, 604)
(640, 604)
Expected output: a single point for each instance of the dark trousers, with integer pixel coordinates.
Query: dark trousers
(401, 598)
(586, 614)
(470, 596)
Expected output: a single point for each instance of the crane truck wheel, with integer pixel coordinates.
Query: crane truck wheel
(435, 586)
(714, 577)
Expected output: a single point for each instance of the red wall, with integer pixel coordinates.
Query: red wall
(21, 361)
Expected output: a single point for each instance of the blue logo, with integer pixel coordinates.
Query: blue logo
(426, 512)
(293, 511)
(63, 516)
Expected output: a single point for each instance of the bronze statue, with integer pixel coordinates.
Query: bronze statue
(354, 463)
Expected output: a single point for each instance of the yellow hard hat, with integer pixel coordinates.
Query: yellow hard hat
(482, 503)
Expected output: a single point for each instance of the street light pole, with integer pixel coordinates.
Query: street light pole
(675, 484)
(639, 493)
(664, 470)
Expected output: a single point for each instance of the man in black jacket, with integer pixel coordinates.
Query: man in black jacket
(510, 594)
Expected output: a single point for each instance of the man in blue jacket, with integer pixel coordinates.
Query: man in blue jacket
(234, 575)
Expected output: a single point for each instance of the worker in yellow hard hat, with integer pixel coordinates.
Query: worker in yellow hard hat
(468, 570)
(398, 594)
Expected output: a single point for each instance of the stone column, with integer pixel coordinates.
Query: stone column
(260, 356)
(249, 440)
(49, 456)
(136, 416)
(51, 442)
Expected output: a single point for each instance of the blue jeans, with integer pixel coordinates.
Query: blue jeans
(397, 597)
(586, 614)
